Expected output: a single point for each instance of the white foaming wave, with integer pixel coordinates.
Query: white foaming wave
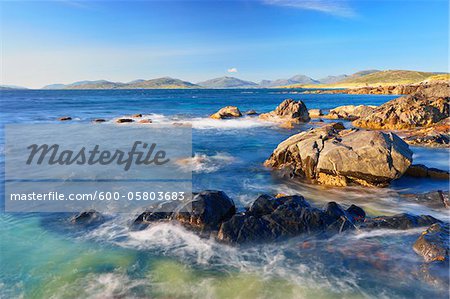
(202, 163)
(227, 124)
(385, 232)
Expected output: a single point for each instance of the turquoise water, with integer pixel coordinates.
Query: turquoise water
(43, 256)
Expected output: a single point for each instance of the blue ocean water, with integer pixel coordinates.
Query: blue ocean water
(44, 257)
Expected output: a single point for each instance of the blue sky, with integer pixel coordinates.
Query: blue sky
(66, 41)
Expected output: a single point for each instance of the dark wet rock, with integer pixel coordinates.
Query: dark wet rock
(270, 219)
(87, 217)
(162, 212)
(288, 110)
(124, 120)
(399, 221)
(251, 112)
(64, 118)
(356, 213)
(434, 199)
(421, 171)
(227, 112)
(433, 244)
(207, 210)
(99, 120)
(332, 156)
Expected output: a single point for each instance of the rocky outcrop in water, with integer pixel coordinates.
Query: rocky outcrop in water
(227, 112)
(288, 110)
(421, 109)
(350, 112)
(331, 156)
(436, 135)
(269, 218)
(433, 244)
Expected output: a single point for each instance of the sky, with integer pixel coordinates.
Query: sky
(67, 41)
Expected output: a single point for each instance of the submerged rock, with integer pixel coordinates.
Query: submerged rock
(331, 156)
(434, 199)
(87, 217)
(399, 221)
(420, 109)
(227, 112)
(288, 110)
(433, 244)
(99, 120)
(350, 112)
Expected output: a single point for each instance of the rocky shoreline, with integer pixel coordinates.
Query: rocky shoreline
(212, 214)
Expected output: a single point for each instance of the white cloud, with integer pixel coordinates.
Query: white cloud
(233, 70)
(339, 8)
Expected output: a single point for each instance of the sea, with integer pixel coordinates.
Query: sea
(44, 256)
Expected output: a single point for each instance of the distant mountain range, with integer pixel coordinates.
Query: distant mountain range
(362, 78)
(227, 82)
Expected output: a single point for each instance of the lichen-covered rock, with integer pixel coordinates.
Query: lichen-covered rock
(433, 244)
(421, 109)
(227, 112)
(350, 112)
(331, 156)
(288, 110)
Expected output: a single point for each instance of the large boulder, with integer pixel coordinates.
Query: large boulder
(227, 112)
(288, 110)
(350, 112)
(421, 109)
(331, 156)
(433, 244)
(315, 113)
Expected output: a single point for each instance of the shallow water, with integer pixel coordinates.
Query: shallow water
(43, 256)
